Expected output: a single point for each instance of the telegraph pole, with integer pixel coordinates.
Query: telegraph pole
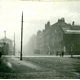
(4, 42)
(21, 36)
(14, 43)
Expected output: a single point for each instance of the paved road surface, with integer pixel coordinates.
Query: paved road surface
(40, 67)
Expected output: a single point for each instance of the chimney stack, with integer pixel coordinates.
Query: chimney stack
(73, 23)
(61, 20)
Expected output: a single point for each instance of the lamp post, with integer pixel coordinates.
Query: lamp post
(14, 43)
(21, 36)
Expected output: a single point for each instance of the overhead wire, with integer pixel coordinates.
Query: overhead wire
(73, 15)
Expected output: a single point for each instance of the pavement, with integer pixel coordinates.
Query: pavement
(38, 55)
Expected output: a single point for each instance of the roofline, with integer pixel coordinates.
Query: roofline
(58, 22)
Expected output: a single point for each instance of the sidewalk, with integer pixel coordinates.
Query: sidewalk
(39, 55)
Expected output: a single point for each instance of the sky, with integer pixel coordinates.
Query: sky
(35, 15)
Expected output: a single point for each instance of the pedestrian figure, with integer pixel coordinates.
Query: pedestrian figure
(57, 53)
(0, 54)
(0, 57)
(62, 53)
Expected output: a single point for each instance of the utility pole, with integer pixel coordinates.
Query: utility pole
(14, 43)
(4, 42)
(5, 35)
(21, 36)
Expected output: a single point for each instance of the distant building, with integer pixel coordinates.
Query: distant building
(60, 36)
(31, 46)
(8, 47)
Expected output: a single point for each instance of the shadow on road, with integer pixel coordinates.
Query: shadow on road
(5, 65)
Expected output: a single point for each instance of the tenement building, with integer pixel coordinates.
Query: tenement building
(60, 36)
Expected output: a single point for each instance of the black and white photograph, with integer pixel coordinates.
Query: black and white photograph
(39, 39)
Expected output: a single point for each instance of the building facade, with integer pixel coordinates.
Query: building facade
(60, 36)
(8, 47)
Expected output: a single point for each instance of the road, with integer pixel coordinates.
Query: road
(40, 68)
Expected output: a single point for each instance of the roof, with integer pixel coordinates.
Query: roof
(72, 32)
(66, 28)
(1, 40)
(75, 27)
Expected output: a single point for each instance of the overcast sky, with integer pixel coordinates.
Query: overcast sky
(35, 14)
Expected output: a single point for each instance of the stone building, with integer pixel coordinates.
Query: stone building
(59, 36)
